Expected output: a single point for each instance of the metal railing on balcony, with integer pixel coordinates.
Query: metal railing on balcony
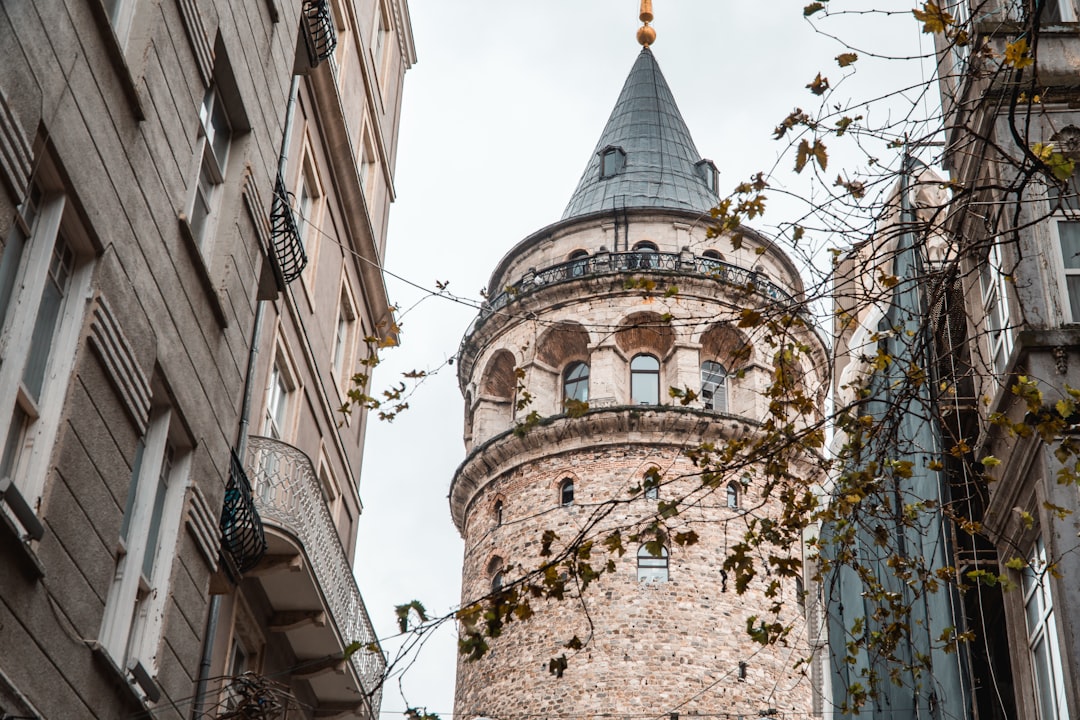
(288, 494)
(242, 535)
(288, 246)
(320, 36)
(632, 262)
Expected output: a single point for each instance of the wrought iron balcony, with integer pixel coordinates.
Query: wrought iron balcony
(608, 263)
(288, 496)
(242, 535)
(288, 247)
(320, 36)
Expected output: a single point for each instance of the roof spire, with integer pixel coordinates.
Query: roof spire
(645, 34)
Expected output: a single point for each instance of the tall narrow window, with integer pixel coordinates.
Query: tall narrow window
(714, 386)
(344, 340)
(498, 512)
(43, 278)
(1043, 646)
(131, 630)
(1065, 205)
(566, 492)
(995, 299)
(645, 380)
(120, 13)
(279, 390)
(650, 567)
(309, 211)
(576, 382)
(212, 155)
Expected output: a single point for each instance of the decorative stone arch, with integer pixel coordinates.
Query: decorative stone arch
(645, 332)
(494, 411)
(559, 347)
(499, 380)
(562, 343)
(728, 346)
(725, 350)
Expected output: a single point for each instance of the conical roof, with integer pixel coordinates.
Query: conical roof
(661, 167)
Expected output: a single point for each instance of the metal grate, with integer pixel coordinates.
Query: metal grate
(288, 248)
(242, 535)
(319, 33)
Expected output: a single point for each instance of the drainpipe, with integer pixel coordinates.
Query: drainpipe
(245, 420)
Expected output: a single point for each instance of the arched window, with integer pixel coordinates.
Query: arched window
(498, 512)
(644, 255)
(566, 492)
(733, 495)
(652, 568)
(579, 260)
(576, 382)
(714, 386)
(495, 570)
(712, 255)
(645, 380)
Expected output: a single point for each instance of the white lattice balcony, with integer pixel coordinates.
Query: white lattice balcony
(309, 581)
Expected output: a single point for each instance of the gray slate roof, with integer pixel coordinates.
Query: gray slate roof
(660, 167)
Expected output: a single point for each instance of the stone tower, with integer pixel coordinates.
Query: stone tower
(578, 310)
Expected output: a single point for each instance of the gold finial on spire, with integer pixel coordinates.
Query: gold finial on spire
(645, 34)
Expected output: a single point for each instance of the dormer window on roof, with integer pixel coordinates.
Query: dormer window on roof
(708, 173)
(612, 161)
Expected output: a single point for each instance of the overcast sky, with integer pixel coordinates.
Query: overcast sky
(500, 116)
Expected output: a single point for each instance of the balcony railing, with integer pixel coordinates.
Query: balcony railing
(288, 247)
(320, 36)
(242, 535)
(287, 494)
(608, 263)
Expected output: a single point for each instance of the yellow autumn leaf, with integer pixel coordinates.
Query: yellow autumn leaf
(934, 19)
(1016, 54)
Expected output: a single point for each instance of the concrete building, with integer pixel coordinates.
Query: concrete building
(996, 304)
(193, 207)
(577, 320)
(1017, 237)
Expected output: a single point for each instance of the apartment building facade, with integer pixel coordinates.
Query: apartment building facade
(194, 209)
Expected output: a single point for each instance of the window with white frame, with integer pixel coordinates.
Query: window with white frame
(652, 567)
(120, 14)
(1043, 647)
(132, 625)
(381, 42)
(211, 156)
(714, 386)
(344, 338)
(44, 280)
(279, 390)
(309, 211)
(368, 166)
(1065, 206)
(1054, 12)
(995, 299)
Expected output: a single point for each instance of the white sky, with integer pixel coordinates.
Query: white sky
(500, 116)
